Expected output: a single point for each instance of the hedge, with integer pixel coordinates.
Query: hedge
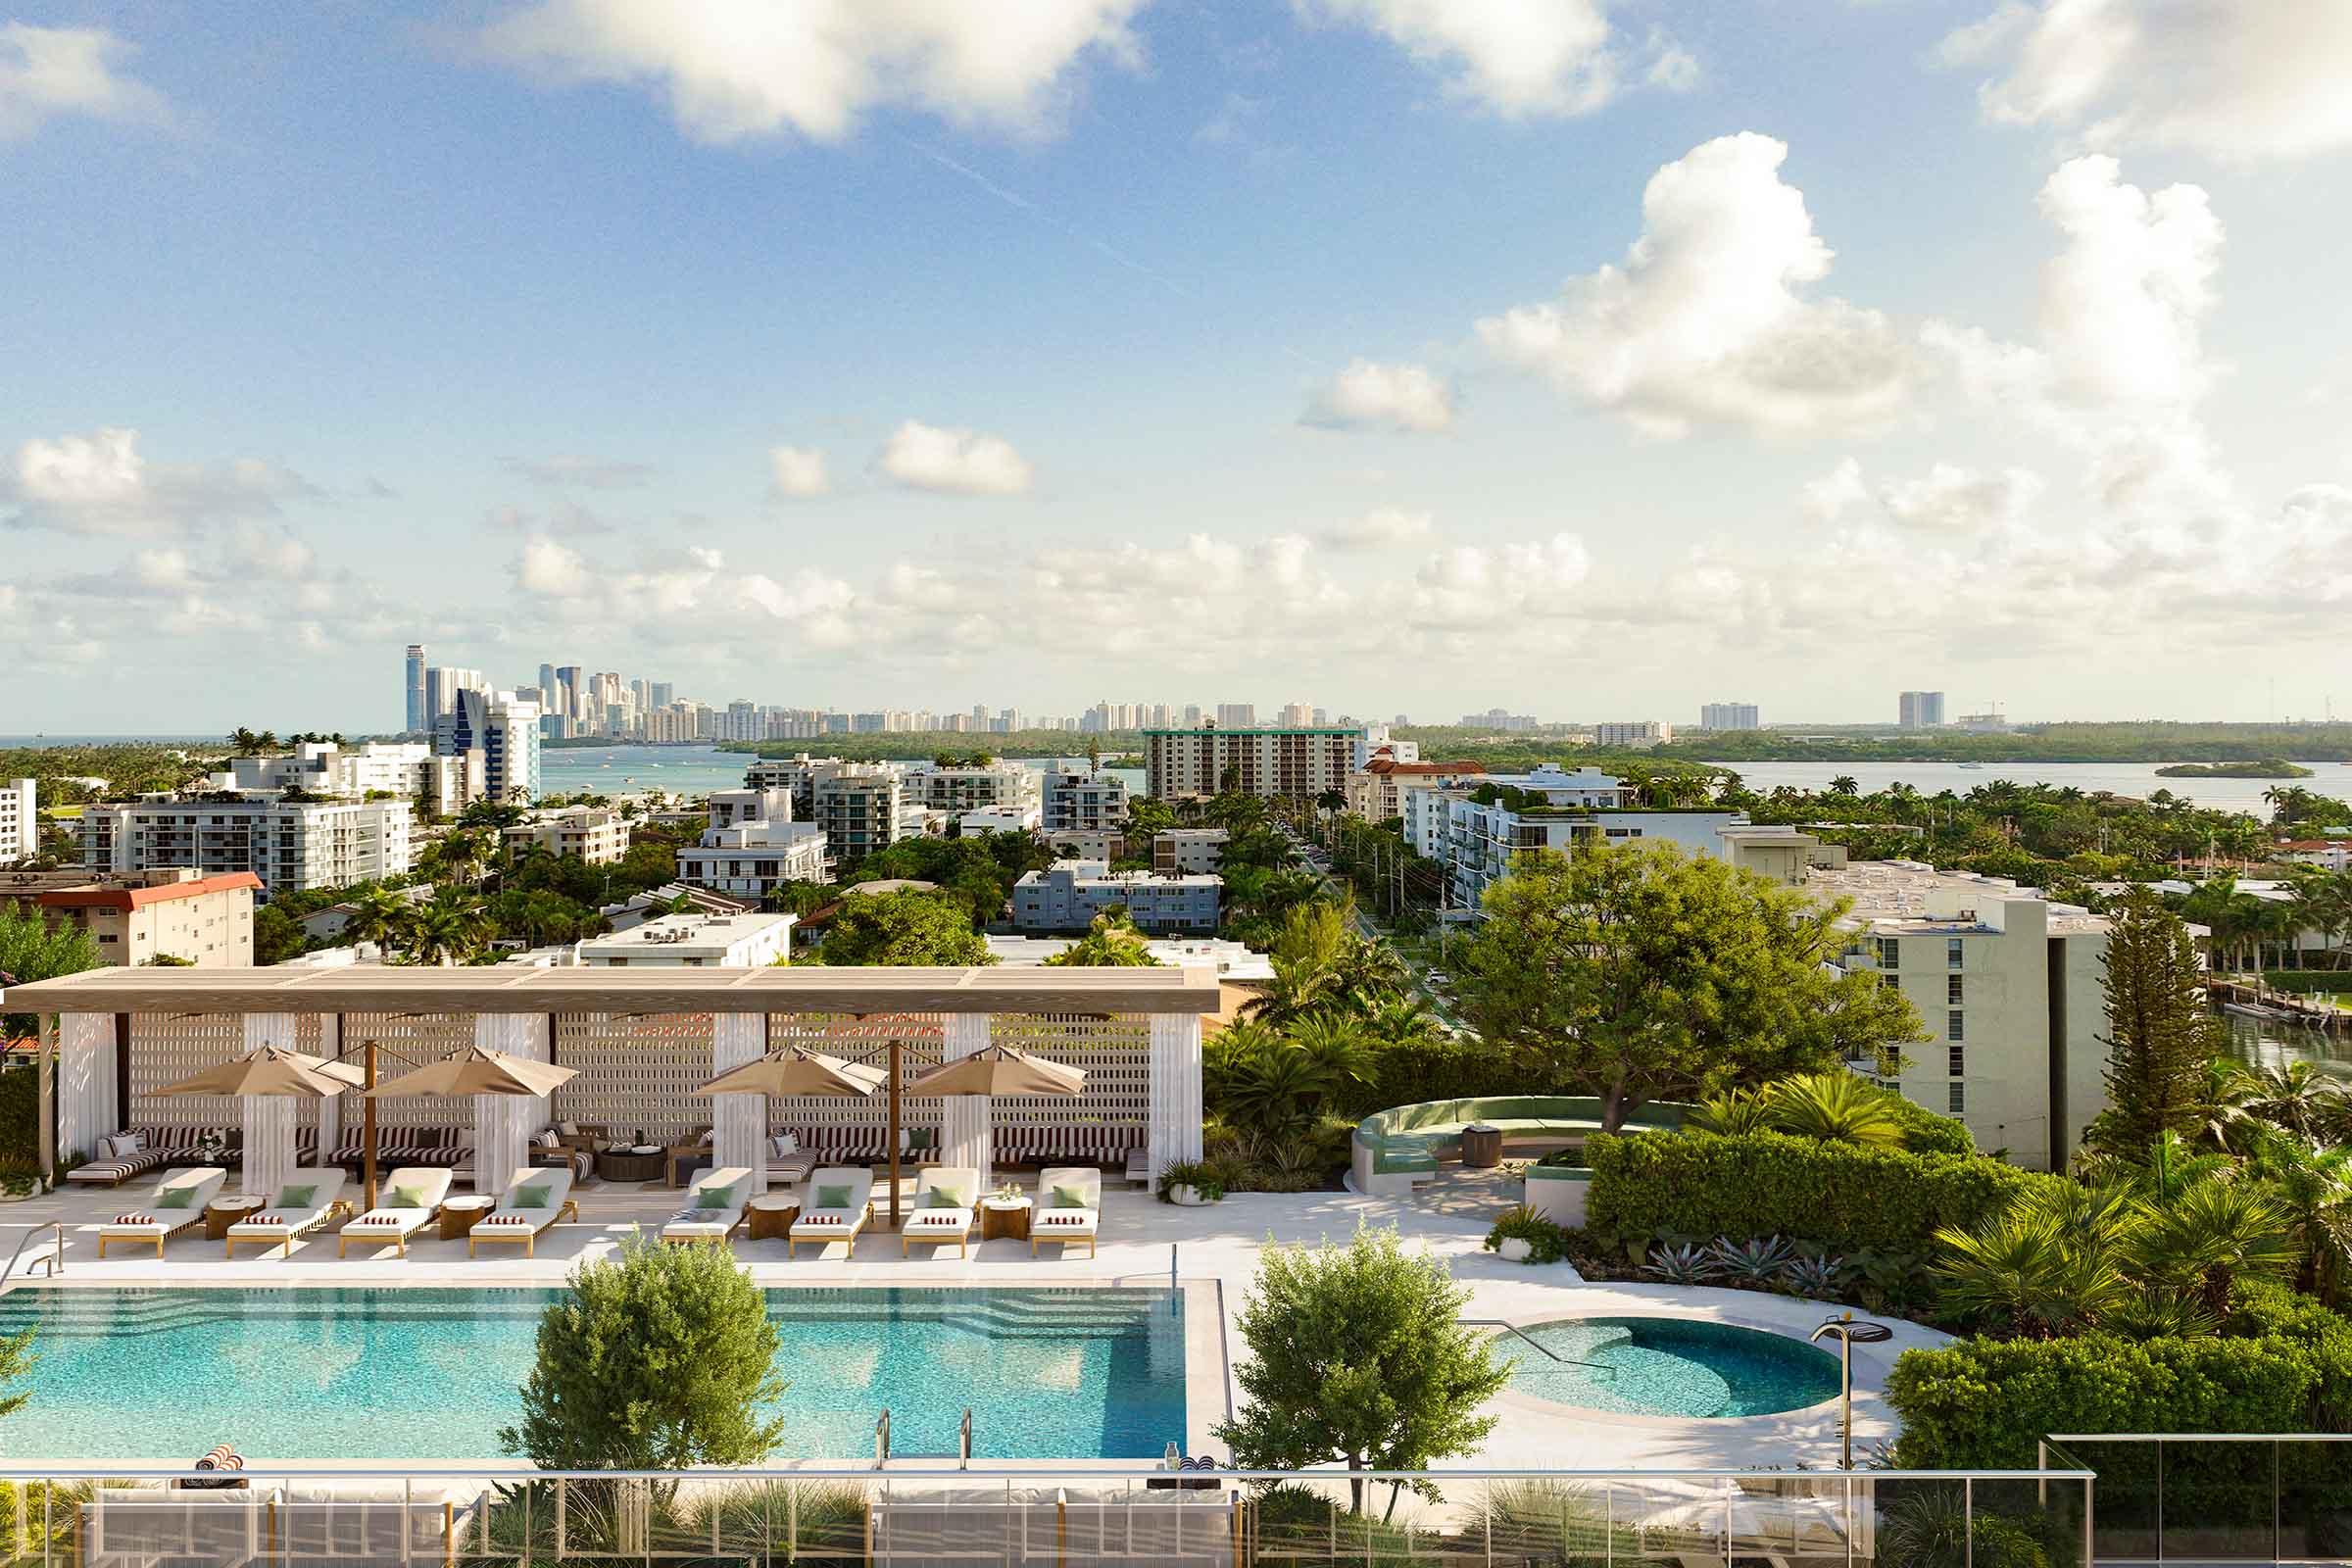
(1926, 1133)
(20, 1115)
(2328, 980)
(1844, 1197)
(1414, 1071)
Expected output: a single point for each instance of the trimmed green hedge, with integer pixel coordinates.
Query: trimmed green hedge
(1840, 1195)
(2334, 981)
(1407, 1074)
(20, 1115)
(1925, 1133)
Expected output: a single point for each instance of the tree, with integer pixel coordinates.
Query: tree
(2159, 1037)
(378, 914)
(1640, 973)
(15, 1362)
(32, 949)
(905, 927)
(1835, 1106)
(1112, 942)
(1358, 1354)
(276, 936)
(659, 1359)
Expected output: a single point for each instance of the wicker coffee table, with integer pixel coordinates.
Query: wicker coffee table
(629, 1165)
(1005, 1219)
(223, 1212)
(772, 1216)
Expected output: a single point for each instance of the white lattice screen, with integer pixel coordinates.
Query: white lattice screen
(405, 1041)
(839, 1035)
(635, 1073)
(1115, 1055)
(166, 1048)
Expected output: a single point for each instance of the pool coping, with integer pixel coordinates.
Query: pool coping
(1209, 1386)
(1674, 1423)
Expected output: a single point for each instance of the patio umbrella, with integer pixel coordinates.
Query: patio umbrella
(268, 1073)
(999, 1070)
(474, 1070)
(795, 1070)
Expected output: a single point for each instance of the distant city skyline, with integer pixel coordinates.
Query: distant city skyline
(1596, 357)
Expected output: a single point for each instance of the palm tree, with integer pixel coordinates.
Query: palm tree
(1734, 1114)
(2223, 1098)
(379, 916)
(449, 929)
(1402, 1020)
(1845, 784)
(2210, 1236)
(1835, 1106)
(1337, 1048)
(2029, 1272)
(2314, 1186)
(2296, 1098)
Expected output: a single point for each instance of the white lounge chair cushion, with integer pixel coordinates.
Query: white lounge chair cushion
(122, 1223)
(390, 1219)
(939, 1219)
(516, 1219)
(829, 1220)
(1063, 1220)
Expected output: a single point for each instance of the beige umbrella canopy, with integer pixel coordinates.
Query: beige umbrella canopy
(477, 1070)
(1000, 1070)
(796, 1070)
(270, 1071)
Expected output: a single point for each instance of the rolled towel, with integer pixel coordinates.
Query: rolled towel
(217, 1459)
(262, 1219)
(134, 1219)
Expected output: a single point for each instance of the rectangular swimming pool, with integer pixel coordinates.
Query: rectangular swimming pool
(433, 1374)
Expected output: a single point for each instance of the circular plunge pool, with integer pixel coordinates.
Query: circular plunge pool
(1668, 1366)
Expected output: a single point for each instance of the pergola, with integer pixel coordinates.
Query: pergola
(545, 1014)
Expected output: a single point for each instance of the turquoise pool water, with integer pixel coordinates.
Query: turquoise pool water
(1670, 1366)
(433, 1374)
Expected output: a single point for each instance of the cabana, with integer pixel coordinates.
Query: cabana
(643, 1041)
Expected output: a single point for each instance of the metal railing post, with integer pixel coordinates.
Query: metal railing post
(2160, 1499)
(963, 1441)
(562, 1520)
(882, 1439)
(1968, 1518)
(2277, 1526)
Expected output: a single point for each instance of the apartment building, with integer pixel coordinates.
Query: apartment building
(410, 771)
(796, 774)
(1919, 710)
(597, 834)
(2010, 988)
(1082, 803)
(1182, 850)
(748, 859)
(1067, 897)
(729, 808)
(1376, 791)
(862, 807)
(1638, 735)
(1482, 840)
(956, 790)
(692, 941)
(1728, 715)
(1016, 818)
(1080, 843)
(1300, 762)
(505, 729)
(19, 820)
(137, 918)
(290, 846)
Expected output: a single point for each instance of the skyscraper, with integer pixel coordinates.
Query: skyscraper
(569, 697)
(419, 716)
(1920, 710)
(547, 687)
(1728, 715)
(665, 693)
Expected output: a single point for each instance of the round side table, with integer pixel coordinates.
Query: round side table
(459, 1216)
(772, 1215)
(1005, 1219)
(223, 1212)
(629, 1165)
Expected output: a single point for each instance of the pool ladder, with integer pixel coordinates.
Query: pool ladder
(1514, 1329)
(964, 1439)
(56, 1258)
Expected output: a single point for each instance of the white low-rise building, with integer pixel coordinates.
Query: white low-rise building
(2010, 987)
(1232, 960)
(1022, 818)
(291, 845)
(405, 770)
(1076, 844)
(19, 820)
(1180, 850)
(1083, 802)
(750, 859)
(727, 807)
(1638, 735)
(1069, 894)
(1482, 840)
(693, 942)
(960, 789)
(597, 834)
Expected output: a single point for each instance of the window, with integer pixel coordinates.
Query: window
(1953, 1026)
(1952, 952)
(1956, 1063)
(1952, 990)
(1956, 1101)
(1890, 953)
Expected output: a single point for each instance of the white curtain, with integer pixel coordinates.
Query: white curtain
(85, 1082)
(1175, 1130)
(503, 1124)
(965, 1136)
(269, 1118)
(739, 1122)
(330, 1110)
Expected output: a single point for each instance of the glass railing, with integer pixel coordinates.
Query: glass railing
(2215, 1498)
(1067, 1515)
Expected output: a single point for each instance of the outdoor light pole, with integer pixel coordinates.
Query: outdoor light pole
(1848, 1333)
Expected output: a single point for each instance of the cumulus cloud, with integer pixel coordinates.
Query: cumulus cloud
(47, 72)
(732, 69)
(1513, 58)
(552, 569)
(957, 462)
(1708, 321)
(2239, 80)
(101, 483)
(1379, 529)
(571, 471)
(1828, 497)
(1369, 395)
(796, 472)
(1959, 501)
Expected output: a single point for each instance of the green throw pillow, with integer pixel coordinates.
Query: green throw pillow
(294, 1196)
(1070, 1197)
(943, 1198)
(715, 1197)
(175, 1198)
(832, 1197)
(534, 1196)
(406, 1197)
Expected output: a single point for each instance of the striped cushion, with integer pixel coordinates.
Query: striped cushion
(1065, 1218)
(134, 1219)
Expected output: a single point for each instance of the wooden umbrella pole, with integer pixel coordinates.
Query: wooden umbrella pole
(368, 1122)
(894, 1132)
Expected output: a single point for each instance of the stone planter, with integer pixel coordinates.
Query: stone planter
(1184, 1195)
(1558, 1193)
(1515, 1248)
(35, 1191)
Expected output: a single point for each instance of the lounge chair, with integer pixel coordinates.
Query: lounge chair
(834, 1208)
(944, 1195)
(1069, 1207)
(534, 1199)
(713, 1207)
(299, 1207)
(178, 1204)
(409, 1199)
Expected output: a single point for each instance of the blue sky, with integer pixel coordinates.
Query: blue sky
(1590, 359)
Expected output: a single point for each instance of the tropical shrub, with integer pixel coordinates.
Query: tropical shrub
(1547, 1242)
(1410, 1072)
(1844, 1197)
(1199, 1175)
(1759, 1262)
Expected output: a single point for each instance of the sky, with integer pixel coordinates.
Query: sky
(1593, 358)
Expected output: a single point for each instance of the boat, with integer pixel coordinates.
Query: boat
(2256, 1009)
(1971, 768)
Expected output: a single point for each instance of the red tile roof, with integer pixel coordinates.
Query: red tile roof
(128, 898)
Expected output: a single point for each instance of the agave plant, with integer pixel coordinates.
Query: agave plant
(1680, 1265)
(1751, 1262)
(1813, 1276)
